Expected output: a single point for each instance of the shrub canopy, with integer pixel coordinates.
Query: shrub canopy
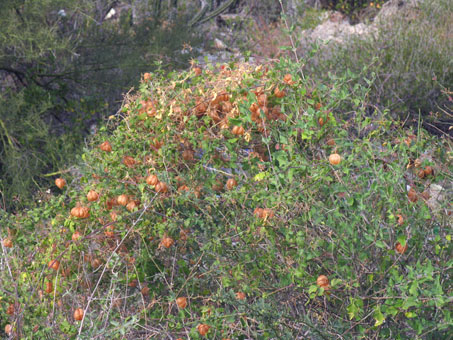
(248, 255)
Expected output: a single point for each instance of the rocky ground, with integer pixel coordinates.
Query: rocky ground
(334, 27)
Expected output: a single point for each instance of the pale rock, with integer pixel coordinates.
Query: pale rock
(436, 196)
(219, 44)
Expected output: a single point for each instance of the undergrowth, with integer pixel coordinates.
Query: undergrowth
(410, 51)
(216, 187)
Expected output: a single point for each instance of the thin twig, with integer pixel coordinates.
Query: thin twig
(90, 299)
(293, 45)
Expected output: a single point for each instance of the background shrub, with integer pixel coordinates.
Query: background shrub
(410, 58)
(354, 9)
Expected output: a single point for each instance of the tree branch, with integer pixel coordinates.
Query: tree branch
(218, 11)
(20, 75)
(204, 8)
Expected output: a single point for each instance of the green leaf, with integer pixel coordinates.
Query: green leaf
(410, 315)
(378, 316)
(414, 289)
(410, 302)
(391, 310)
(335, 282)
(354, 308)
(235, 121)
(380, 244)
(402, 239)
(291, 174)
(312, 289)
(352, 311)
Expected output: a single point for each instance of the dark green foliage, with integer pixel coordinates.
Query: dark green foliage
(68, 68)
(29, 148)
(352, 8)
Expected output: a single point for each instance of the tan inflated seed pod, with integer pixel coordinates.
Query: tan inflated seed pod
(412, 195)
(131, 206)
(152, 180)
(106, 146)
(240, 296)
(167, 242)
(7, 243)
(288, 79)
(183, 188)
(334, 159)
(49, 287)
(147, 76)
(54, 264)
(11, 309)
(259, 212)
(128, 161)
(197, 71)
(76, 236)
(92, 196)
(145, 290)
(400, 248)
(60, 183)
(238, 130)
(279, 93)
(123, 200)
(109, 231)
(181, 302)
(322, 281)
(161, 188)
(203, 329)
(330, 142)
(78, 314)
(428, 171)
(231, 183)
(84, 212)
(95, 263)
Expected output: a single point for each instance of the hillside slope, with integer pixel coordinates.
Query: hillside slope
(239, 202)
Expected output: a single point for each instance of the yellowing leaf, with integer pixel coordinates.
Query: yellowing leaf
(379, 317)
(260, 176)
(379, 322)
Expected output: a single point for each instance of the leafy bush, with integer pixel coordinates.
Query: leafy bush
(410, 57)
(244, 215)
